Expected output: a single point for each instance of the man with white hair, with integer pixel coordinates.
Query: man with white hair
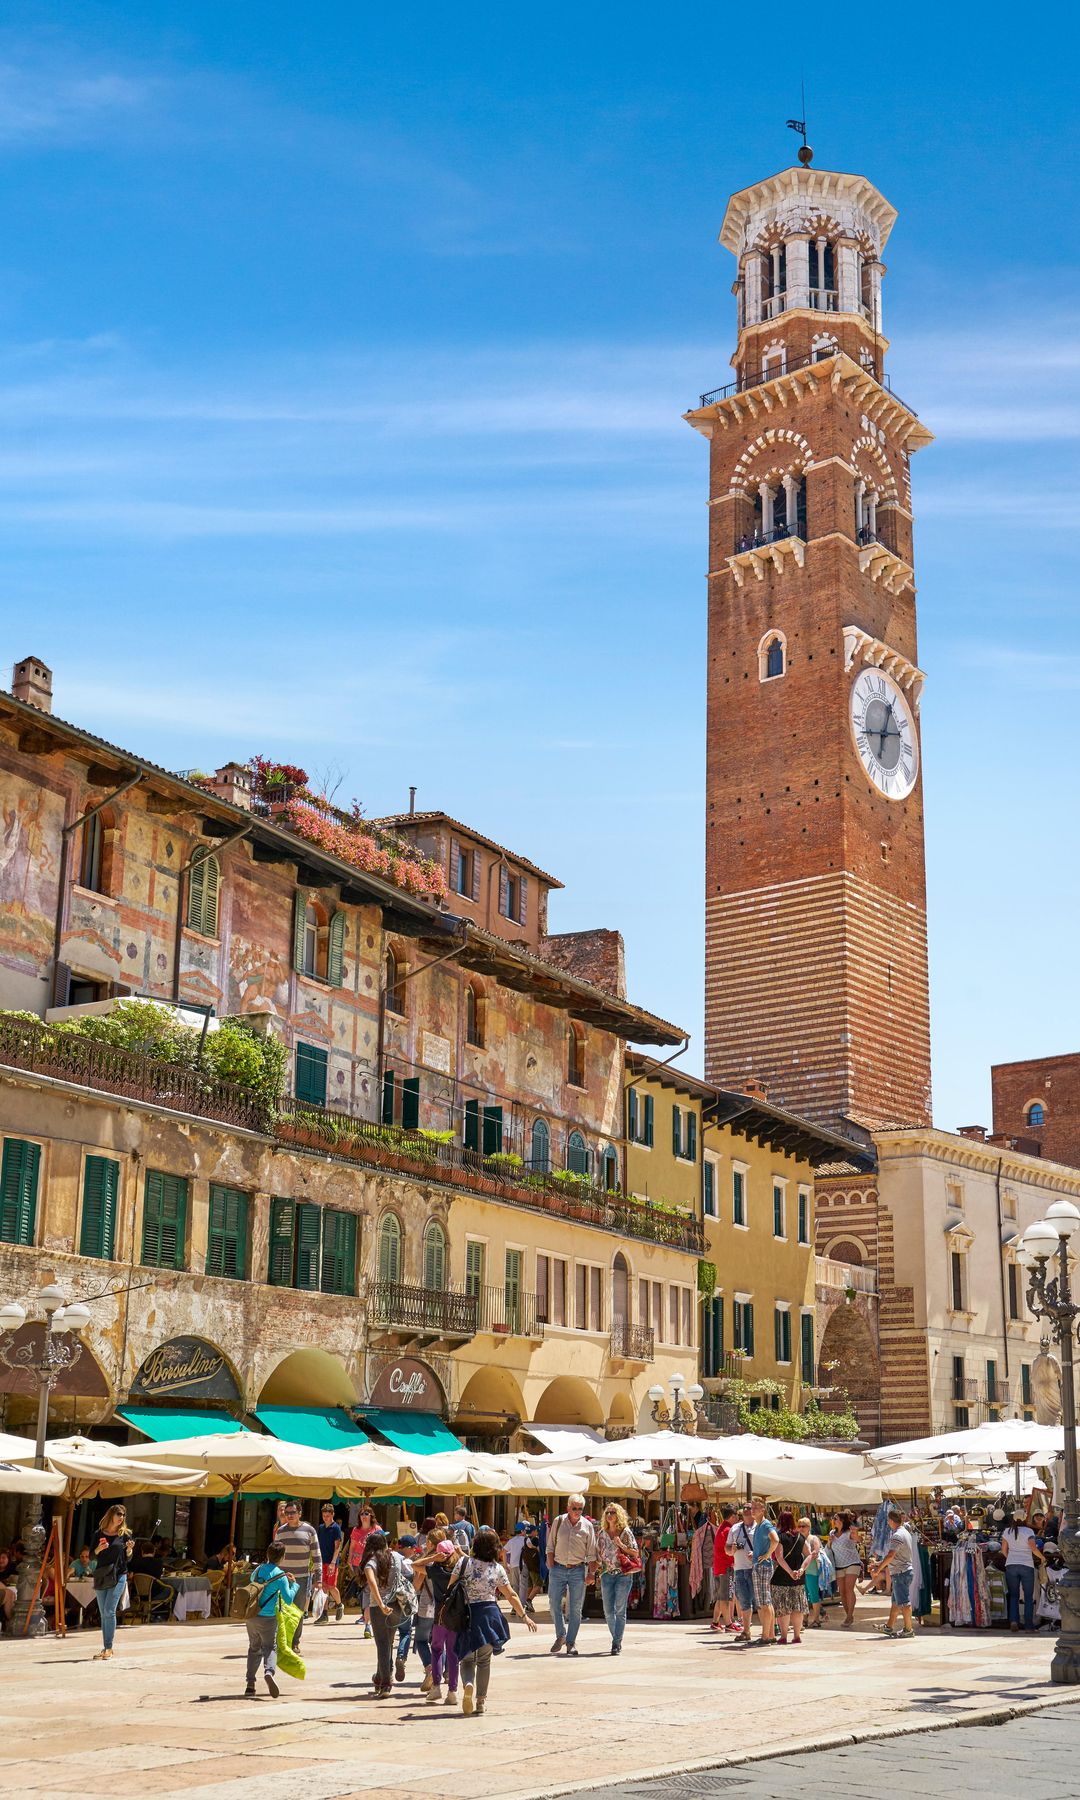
(572, 1558)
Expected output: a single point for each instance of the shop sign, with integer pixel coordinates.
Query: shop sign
(410, 1385)
(187, 1367)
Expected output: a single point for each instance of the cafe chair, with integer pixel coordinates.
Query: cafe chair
(216, 1578)
(152, 1598)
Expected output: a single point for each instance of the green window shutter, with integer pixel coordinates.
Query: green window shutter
(164, 1220)
(647, 1137)
(804, 1219)
(709, 1188)
(338, 1252)
(204, 878)
(676, 1131)
(493, 1130)
(300, 903)
(435, 1257)
(718, 1331)
(390, 1248)
(19, 1171)
(410, 1103)
(749, 1310)
(691, 1135)
(308, 1244)
(474, 1268)
(778, 1334)
(282, 1222)
(631, 1114)
(226, 1245)
(101, 1185)
(806, 1346)
(388, 1097)
(335, 950)
(309, 1078)
(472, 1124)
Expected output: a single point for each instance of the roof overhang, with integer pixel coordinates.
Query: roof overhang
(830, 189)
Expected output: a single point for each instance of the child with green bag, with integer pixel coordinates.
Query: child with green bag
(273, 1592)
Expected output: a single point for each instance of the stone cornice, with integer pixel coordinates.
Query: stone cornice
(947, 1147)
(802, 195)
(839, 372)
(860, 647)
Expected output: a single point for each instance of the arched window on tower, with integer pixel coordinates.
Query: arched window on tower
(772, 656)
(1036, 1113)
(774, 285)
(780, 509)
(823, 290)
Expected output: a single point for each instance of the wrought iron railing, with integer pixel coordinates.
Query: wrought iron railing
(407, 1307)
(510, 1314)
(752, 378)
(758, 540)
(636, 1342)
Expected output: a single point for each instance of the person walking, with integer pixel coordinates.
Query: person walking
(463, 1530)
(898, 1565)
(440, 1567)
(366, 1523)
(514, 1557)
(723, 1565)
(330, 1536)
(484, 1579)
(1021, 1555)
(766, 1542)
(272, 1585)
(788, 1580)
(740, 1542)
(811, 1578)
(302, 1557)
(847, 1561)
(571, 1560)
(620, 1561)
(112, 1554)
(388, 1580)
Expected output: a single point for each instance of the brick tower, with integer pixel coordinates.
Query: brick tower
(815, 950)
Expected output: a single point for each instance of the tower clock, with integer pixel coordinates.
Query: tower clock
(816, 965)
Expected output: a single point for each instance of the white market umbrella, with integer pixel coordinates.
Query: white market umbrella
(452, 1472)
(14, 1480)
(265, 1465)
(598, 1477)
(980, 1444)
(654, 1447)
(15, 1449)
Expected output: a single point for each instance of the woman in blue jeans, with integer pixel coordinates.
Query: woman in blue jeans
(114, 1546)
(620, 1559)
(1021, 1554)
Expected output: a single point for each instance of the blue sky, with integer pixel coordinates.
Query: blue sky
(342, 358)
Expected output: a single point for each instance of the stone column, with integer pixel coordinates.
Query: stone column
(875, 270)
(819, 274)
(791, 502)
(752, 272)
(776, 289)
(766, 507)
(847, 278)
(871, 512)
(860, 490)
(798, 271)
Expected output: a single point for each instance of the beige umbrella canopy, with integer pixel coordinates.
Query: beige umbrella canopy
(457, 1472)
(15, 1480)
(257, 1464)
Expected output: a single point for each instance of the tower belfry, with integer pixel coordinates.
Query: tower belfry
(816, 963)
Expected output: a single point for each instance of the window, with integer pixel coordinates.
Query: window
(620, 1288)
(743, 1324)
(684, 1133)
(101, 1190)
(806, 1347)
(804, 1215)
(84, 993)
(474, 1268)
(204, 877)
(779, 1210)
(474, 1022)
(1036, 1113)
(774, 659)
(1015, 1305)
(471, 1125)
(513, 896)
(513, 1278)
(164, 1235)
(575, 1056)
(639, 1117)
(540, 1148)
(673, 1315)
(309, 1074)
(959, 1380)
(609, 1169)
(958, 1280)
(393, 984)
(712, 1336)
(338, 1273)
(588, 1297)
(318, 940)
(782, 1334)
(18, 1191)
(95, 863)
(315, 941)
(312, 1247)
(687, 1317)
(389, 1248)
(1008, 1204)
(227, 1233)
(389, 1088)
(992, 1395)
(738, 1197)
(464, 871)
(961, 1418)
(1025, 1390)
(493, 1130)
(551, 1289)
(434, 1256)
(410, 1103)
(676, 1131)
(709, 1197)
(954, 1195)
(577, 1156)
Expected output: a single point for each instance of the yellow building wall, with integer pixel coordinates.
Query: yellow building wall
(655, 1172)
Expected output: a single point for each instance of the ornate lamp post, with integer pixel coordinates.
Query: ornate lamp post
(1044, 1253)
(59, 1350)
(680, 1415)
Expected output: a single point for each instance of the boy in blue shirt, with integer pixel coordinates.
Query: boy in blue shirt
(273, 1584)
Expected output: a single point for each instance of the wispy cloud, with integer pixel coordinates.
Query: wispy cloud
(45, 100)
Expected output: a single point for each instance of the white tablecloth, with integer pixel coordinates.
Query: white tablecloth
(192, 1596)
(81, 1590)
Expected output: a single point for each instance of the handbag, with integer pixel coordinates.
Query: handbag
(629, 1561)
(454, 1613)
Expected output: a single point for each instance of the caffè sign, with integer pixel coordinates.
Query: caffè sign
(408, 1384)
(187, 1367)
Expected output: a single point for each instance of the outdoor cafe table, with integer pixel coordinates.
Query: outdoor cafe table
(192, 1595)
(82, 1591)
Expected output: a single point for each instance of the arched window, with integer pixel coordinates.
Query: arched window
(316, 939)
(620, 1290)
(540, 1153)
(609, 1169)
(772, 656)
(434, 1256)
(474, 1015)
(390, 1248)
(95, 864)
(823, 294)
(575, 1056)
(1036, 1113)
(394, 987)
(577, 1156)
(204, 877)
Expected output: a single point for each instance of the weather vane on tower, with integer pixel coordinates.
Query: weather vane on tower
(806, 155)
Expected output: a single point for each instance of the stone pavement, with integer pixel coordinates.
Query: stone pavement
(1033, 1758)
(168, 1716)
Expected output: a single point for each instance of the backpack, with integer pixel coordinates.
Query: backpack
(454, 1613)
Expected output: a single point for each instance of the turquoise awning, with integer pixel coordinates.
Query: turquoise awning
(423, 1432)
(319, 1427)
(164, 1423)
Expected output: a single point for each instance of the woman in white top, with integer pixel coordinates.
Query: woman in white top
(1021, 1555)
(847, 1561)
(485, 1582)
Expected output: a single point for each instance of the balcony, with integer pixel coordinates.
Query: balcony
(509, 1314)
(751, 378)
(400, 1313)
(631, 1343)
(773, 306)
(964, 1390)
(853, 1276)
(763, 550)
(824, 299)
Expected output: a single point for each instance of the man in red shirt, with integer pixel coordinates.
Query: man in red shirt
(722, 1565)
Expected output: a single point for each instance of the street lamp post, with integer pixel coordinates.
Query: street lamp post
(59, 1350)
(1044, 1253)
(680, 1415)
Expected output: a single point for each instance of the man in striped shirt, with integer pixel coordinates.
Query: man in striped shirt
(300, 1542)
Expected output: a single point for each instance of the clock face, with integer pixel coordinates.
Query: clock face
(884, 731)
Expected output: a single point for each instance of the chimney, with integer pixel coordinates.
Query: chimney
(31, 681)
(232, 782)
(978, 1132)
(412, 801)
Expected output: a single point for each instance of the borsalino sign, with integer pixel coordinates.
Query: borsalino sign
(188, 1367)
(408, 1383)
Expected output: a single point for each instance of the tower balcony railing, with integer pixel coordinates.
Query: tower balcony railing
(757, 540)
(823, 299)
(774, 306)
(756, 377)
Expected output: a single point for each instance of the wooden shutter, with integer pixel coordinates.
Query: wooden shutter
(390, 1248)
(631, 1114)
(300, 905)
(455, 865)
(504, 884)
(523, 899)
(101, 1185)
(338, 1252)
(475, 854)
(806, 1331)
(474, 1268)
(309, 1079)
(472, 1124)
(202, 895)
(282, 1223)
(676, 1131)
(493, 1130)
(388, 1097)
(435, 1257)
(648, 1133)
(335, 949)
(691, 1134)
(226, 1245)
(308, 1244)
(18, 1191)
(410, 1103)
(748, 1330)
(164, 1220)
